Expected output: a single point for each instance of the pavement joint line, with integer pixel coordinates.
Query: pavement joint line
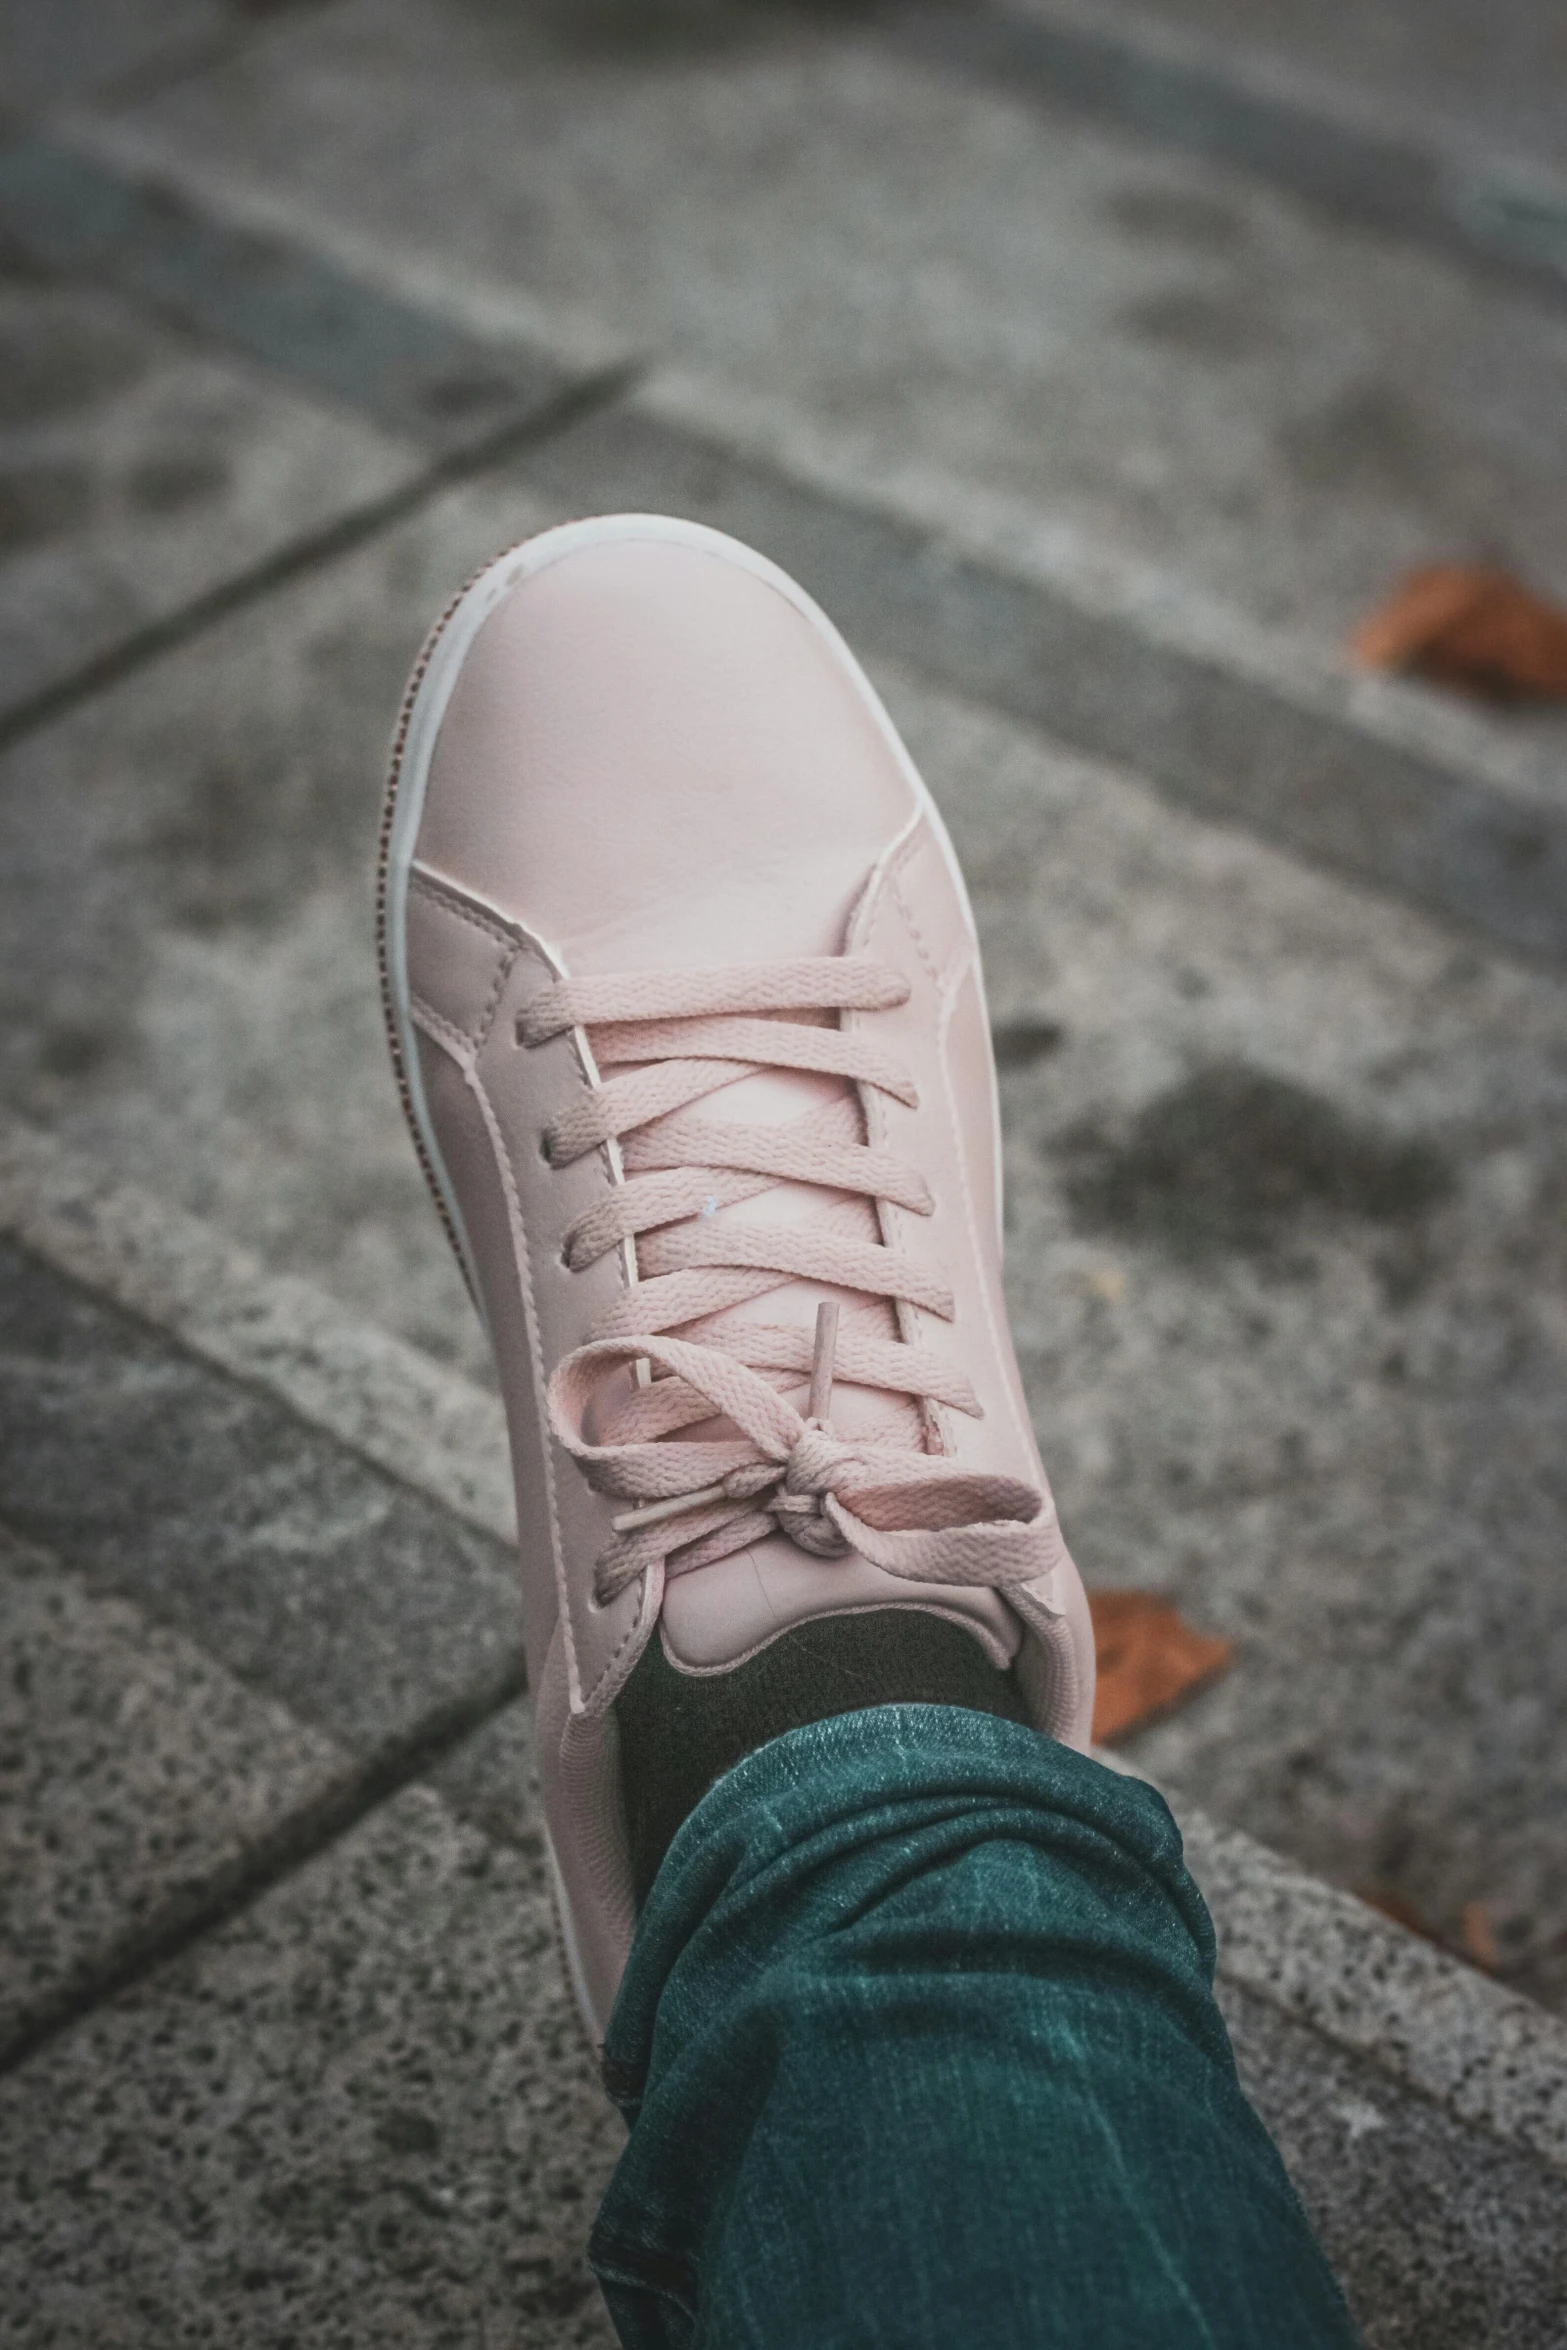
(279, 300)
(313, 552)
(408, 1415)
(190, 1915)
(1494, 2060)
(959, 517)
(181, 59)
(961, 522)
(1392, 783)
(1097, 656)
(467, 303)
(1279, 127)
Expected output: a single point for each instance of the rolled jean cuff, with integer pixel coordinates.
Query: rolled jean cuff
(919, 2043)
(812, 1831)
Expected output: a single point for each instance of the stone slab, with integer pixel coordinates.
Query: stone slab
(1367, 155)
(1423, 2110)
(136, 473)
(186, 924)
(138, 1779)
(384, 1399)
(1330, 1435)
(1482, 73)
(1331, 1963)
(58, 51)
(311, 1576)
(1389, 779)
(1441, 2238)
(1128, 343)
(1335, 1967)
(362, 2113)
(491, 1779)
(411, 370)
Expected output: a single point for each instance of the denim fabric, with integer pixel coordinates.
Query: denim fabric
(919, 2048)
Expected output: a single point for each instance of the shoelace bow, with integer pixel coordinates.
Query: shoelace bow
(679, 1037)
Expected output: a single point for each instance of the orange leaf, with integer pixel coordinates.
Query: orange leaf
(1467, 625)
(1479, 1937)
(1397, 1906)
(1148, 1659)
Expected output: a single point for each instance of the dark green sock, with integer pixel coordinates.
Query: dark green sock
(681, 1731)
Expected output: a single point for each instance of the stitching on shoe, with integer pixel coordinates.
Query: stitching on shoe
(448, 899)
(524, 1264)
(503, 972)
(618, 1651)
(457, 1040)
(947, 987)
(489, 927)
(916, 935)
(998, 1339)
(885, 898)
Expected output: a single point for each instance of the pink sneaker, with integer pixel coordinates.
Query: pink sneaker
(685, 1003)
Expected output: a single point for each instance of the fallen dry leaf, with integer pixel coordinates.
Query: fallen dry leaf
(1479, 1937)
(1397, 1906)
(1148, 1659)
(1467, 625)
(1476, 1935)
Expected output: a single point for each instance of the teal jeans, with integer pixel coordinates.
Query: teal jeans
(919, 2050)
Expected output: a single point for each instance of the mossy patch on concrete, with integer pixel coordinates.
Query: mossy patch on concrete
(1232, 1157)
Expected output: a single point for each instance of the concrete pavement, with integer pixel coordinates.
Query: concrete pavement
(294, 2056)
(1097, 444)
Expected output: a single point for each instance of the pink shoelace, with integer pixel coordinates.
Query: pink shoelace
(678, 1037)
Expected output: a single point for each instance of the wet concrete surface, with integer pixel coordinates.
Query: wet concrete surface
(137, 472)
(1286, 1157)
(1487, 74)
(361, 2113)
(1141, 348)
(134, 1772)
(1284, 1166)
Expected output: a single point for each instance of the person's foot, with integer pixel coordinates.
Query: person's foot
(685, 1002)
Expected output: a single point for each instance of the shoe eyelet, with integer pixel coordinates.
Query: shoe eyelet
(545, 1153)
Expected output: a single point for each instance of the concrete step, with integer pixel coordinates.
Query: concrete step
(1433, 125)
(302, 2054)
(1169, 585)
(1136, 347)
(146, 487)
(1330, 1429)
(1464, 75)
(75, 45)
(138, 475)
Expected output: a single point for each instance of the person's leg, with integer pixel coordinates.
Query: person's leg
(684, 1002)
(919, 2047)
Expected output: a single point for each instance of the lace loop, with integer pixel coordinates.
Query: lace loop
(679, 1037)
(816, 983)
